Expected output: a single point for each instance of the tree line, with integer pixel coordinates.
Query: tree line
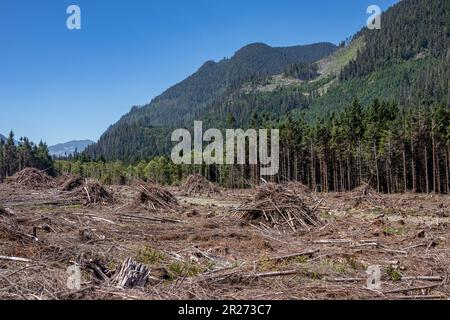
(393, 149)
(16, 156)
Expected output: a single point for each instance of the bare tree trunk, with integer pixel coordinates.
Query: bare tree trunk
(427, 178)
(436, 179)
(335, 176)
(359, 162)
(289, 164)
(349, 183)
(327, 188)
(296, 165)
(388, 185)
(320, 175)
(313, 169)
(405, 179)
(376, 164)
(447, 156)
(413, 166)
(390, 179)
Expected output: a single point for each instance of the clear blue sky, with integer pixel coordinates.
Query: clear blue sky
(59, 85)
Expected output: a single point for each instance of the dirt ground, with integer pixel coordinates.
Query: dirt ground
(205, 251)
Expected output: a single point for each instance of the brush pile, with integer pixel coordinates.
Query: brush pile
(304, 192)
(33, 179)
(92, 193)
(275, 206)
(198, 185)
(366, 194)
(298, 188)
(70, 182)
(157, 198)
(62, 178)
(11, 230)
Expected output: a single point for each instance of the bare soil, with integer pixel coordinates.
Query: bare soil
(203, 250)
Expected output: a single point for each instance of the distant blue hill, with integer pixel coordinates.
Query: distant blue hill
(68, 148)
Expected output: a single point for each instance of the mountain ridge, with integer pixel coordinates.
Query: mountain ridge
(411, 72)
(69, 148)
(216, 77)
(183, 102)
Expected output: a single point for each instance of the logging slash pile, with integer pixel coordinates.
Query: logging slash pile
(198, 185)
(156, 198)
(366, 194)
(92, 193)
(298, 188)
(33, 179)
(275, 206)
(11, 230)
(302, 191)
(70, 182)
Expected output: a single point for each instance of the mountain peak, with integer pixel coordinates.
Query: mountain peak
(208, 64)
(255, 45)
(221, 88)
(191, 98)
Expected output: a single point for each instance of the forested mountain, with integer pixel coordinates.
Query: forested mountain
(145, 131)
(414, 29)
(258, 60)
(406, 63)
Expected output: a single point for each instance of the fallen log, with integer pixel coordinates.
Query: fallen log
(271, 274)
(425, 297)
(295, 255)
(333, 241)
(345, 279)
(414, 288)
(424, 278)
(152, 219)
(16, 259)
